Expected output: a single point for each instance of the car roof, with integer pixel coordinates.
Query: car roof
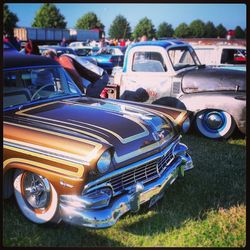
(226, 46)
(54, 47)
(17, 60)
(161, 43)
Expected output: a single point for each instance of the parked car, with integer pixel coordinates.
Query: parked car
(86, 52)
(223, 56)
(82, 160)
(172, 74)
(77, 44)
(59, 50)
(108, 58)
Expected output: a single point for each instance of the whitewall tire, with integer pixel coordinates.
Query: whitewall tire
(36, 197)
(215, 124)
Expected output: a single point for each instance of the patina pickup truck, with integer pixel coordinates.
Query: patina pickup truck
(78, 159)
(172, 75)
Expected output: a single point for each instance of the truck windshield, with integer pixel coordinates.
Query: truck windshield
(183, 57)
(28, 85)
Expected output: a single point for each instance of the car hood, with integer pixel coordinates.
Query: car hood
(128, 130)
(212, 79)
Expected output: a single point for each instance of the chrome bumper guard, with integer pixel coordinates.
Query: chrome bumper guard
(74, 209)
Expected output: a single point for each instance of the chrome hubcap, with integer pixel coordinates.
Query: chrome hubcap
(214, 121)
(36, 191)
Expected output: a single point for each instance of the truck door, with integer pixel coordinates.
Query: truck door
(147, 67)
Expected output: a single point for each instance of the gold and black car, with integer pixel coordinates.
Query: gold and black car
(78, 159)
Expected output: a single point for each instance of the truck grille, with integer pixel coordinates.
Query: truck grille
(144, 173)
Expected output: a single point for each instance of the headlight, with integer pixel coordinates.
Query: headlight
(103, 163)
(186, 125)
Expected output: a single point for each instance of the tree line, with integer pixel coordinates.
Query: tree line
(49, 16)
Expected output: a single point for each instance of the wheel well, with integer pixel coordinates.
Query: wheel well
(8, 188)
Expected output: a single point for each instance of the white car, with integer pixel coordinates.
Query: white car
(77, 44)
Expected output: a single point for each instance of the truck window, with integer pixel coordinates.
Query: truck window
(182, 57)
(233, 56)
(148, 62)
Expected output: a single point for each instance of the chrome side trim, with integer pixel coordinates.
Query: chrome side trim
(39, 150)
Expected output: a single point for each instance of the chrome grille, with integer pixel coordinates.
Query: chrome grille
(144, 173)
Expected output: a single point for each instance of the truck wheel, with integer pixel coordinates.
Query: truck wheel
(36, 197)
(214, 124)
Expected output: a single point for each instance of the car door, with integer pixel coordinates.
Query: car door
(147, 67)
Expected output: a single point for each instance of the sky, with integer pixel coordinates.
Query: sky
(230, 15)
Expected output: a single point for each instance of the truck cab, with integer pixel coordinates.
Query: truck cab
(171, 73)
(154, 65)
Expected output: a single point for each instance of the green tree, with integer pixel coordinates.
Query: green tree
(89, 21)
(144, 27)
(164, 30)
(49, 16)
(120, 28)
(239, 32)
(221, 31)
(9, 20)
(182, 31)
(210, 30)
(197, 28)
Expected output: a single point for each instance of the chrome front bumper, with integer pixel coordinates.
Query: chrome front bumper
(73, 212)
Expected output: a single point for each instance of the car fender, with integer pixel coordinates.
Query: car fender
(233, 103)
(63, 184)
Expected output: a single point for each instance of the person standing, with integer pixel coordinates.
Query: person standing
(31, 48)
(63, 42)
(143, 38)
(122, 43)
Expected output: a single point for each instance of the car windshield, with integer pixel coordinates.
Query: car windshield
(28, 85)
(83, 51)
(60, 52)
(183, 57)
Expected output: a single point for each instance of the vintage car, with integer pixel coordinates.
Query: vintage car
(82, 160)
(59, 50)
(86, 50)
(222, 55)
(172, 74)
(109, 57)
(77, 44)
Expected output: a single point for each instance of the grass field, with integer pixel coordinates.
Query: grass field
(205, 208)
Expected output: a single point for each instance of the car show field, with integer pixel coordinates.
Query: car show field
(124, 126)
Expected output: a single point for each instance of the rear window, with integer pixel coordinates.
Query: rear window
(148, 62)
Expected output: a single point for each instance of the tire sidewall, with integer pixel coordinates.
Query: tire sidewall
(224, 133)
(30, 214)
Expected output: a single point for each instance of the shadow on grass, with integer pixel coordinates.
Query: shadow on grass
(18, 231)
(217, 181)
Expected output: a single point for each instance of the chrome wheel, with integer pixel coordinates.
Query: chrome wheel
(36, 190)
(36, 197)
(215, 124)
